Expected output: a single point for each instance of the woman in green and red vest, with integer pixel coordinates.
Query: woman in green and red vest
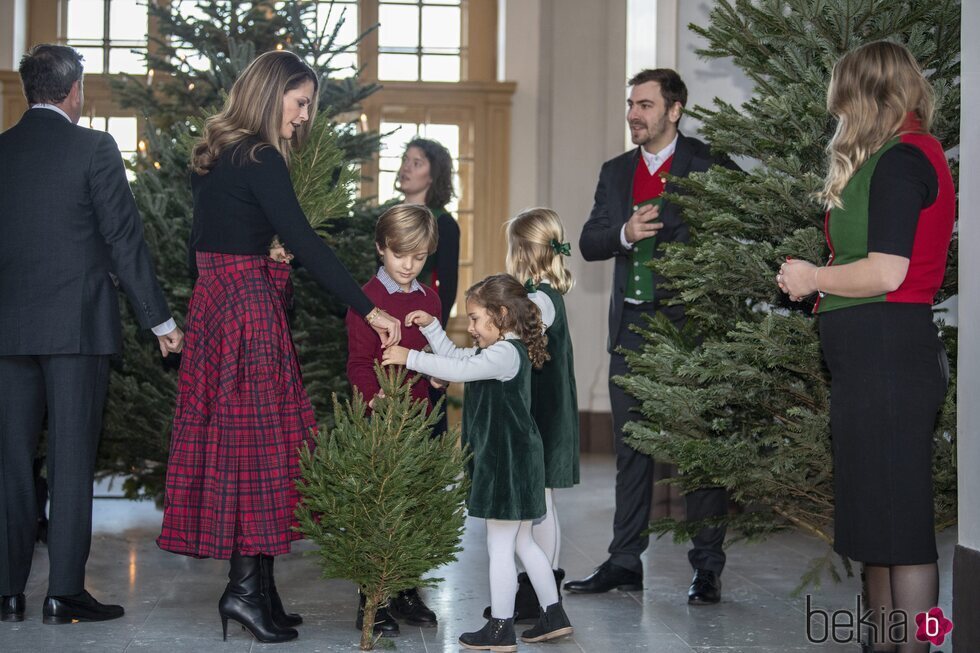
(891, 206)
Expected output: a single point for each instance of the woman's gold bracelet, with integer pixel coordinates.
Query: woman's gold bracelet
(372, 315)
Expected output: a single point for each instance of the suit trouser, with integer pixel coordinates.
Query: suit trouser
(73, 388)
(635, 470)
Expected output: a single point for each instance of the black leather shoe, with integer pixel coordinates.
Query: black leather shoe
(705, 588)
(78, 607)
(408, 606)
(552, 624)
(12, 608)
(384, 624)
(246, 601)
(282, 618)
(607, 576)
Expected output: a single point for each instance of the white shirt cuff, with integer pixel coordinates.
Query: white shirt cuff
(165, 328)
(628, 246)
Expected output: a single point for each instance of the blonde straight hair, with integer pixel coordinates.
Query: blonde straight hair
(254, 108)
(407, 228)
(873, 89)
(530, 253)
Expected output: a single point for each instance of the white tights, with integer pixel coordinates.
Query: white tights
(504, 539)
(547, 532)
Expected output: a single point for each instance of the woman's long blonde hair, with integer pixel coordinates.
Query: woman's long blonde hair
(531, 249)
(873, 89)
(254, 108)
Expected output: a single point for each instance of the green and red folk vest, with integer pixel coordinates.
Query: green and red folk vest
(846, 230)
(646, 186)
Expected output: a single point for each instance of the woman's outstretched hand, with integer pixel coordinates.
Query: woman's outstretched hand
(388, 328)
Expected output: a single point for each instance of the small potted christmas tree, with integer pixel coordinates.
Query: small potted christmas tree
(382, 499)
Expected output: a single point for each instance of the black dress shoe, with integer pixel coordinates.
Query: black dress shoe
(496, 635)
(409, 607)
(12, 608)
(78, 607)
(705, 588)
(607, 576)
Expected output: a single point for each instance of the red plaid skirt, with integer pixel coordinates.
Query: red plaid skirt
(242, 414)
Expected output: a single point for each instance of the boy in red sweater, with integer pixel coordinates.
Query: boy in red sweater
(404, 236)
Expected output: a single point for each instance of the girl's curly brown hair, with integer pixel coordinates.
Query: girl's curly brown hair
(501, 291)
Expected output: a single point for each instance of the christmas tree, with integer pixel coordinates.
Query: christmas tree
(201, 49)
(382, 498)
(741, 398)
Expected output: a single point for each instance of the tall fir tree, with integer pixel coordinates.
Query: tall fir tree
(382, 498)
(741, 398)
(200, 49)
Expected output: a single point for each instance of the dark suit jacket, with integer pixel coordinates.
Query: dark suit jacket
(67, 221)
(613, 207)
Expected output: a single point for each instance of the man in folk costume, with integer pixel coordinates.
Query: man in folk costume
(628, 222)
(70, 229)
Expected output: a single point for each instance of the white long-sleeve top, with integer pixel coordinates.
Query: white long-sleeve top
(545, 305)
(499, 361)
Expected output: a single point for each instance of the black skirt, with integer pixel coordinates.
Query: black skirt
(888, 383)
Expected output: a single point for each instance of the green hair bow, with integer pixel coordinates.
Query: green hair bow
(561, 248)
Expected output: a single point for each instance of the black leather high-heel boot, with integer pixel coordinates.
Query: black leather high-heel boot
(246, 602)
(282, 618)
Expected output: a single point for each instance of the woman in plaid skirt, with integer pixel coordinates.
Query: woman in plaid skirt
(242, 412)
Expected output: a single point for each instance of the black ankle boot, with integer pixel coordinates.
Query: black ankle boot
(409, 607)
(527, 608)
(282, 618)
(552, 623)
(246, 602)
(496, 635)
(384, 624)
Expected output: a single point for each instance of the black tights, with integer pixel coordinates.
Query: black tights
(910, 588)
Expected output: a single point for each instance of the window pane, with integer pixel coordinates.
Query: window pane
(92, 60)
(85, 19)
(393, 145)
(127, 20)
(402, 67)
(448, 135)
(124, 131)
(123, 60)
(440, 27)
(437, 68)
(399, 26)
(441, 2)
(386, 187)
(93, 122)
(188, 9)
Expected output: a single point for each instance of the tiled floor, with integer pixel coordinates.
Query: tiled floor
(171, 600)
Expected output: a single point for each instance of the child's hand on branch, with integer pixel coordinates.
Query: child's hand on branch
(420, 318)
(394, 355)
(380, 395)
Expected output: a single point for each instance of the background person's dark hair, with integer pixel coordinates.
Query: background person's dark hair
(48, 71)
(672, 87)
(440, 169)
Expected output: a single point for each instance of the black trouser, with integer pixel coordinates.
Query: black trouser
(73, 388)
(634, 470)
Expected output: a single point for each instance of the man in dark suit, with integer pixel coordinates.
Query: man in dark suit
(628, 222)
(69, 227)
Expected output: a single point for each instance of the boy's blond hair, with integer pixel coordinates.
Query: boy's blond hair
(407, 228)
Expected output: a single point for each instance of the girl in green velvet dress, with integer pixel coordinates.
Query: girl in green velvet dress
(535, 249)
(507, 467)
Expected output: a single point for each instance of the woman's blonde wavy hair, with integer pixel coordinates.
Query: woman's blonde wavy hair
(254, 108)
(873, 89)
(530, 254)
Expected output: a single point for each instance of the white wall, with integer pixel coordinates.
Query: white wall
(968, 370)
(569, 59)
